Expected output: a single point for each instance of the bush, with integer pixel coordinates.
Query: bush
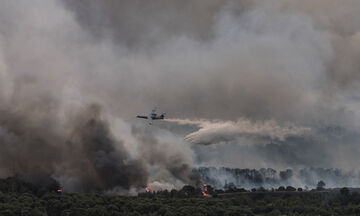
(290, 188)
(281, 188)
(344, 191)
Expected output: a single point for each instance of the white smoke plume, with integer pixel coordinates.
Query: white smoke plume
(213, 132)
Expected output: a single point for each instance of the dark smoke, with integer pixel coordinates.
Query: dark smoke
(85, 157)
(100, 161)
(28, 144)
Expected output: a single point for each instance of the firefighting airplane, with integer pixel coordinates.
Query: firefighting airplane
(152, 116)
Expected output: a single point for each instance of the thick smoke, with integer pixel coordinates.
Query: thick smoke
(83, 156)
(96, 159)
(53, 119)
(167, 156)
(293, 63)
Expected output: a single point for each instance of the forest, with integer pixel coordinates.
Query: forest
(19, 197)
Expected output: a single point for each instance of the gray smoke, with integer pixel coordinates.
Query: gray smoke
(168, 157)
(291, 62)
(53, 119)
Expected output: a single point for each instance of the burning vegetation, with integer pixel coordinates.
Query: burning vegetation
(204, 191)
(21, 197)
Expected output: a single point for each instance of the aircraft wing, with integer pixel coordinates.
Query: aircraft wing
(144, 117)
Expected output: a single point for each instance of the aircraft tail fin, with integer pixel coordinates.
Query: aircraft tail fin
(163, 115)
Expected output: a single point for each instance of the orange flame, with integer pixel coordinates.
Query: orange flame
(147, 190)
(205, 194)
(59, 190)
(205, 189)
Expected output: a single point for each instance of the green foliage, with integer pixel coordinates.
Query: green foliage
(344, 191)
(290, 188)
(160, 204)
(187, 201)
(320, 185)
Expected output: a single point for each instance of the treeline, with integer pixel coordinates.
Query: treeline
(19, 197)
(230, 189)
(24, 184)
(269, 177)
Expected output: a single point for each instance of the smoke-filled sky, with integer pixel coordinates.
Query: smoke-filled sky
(245, 84)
